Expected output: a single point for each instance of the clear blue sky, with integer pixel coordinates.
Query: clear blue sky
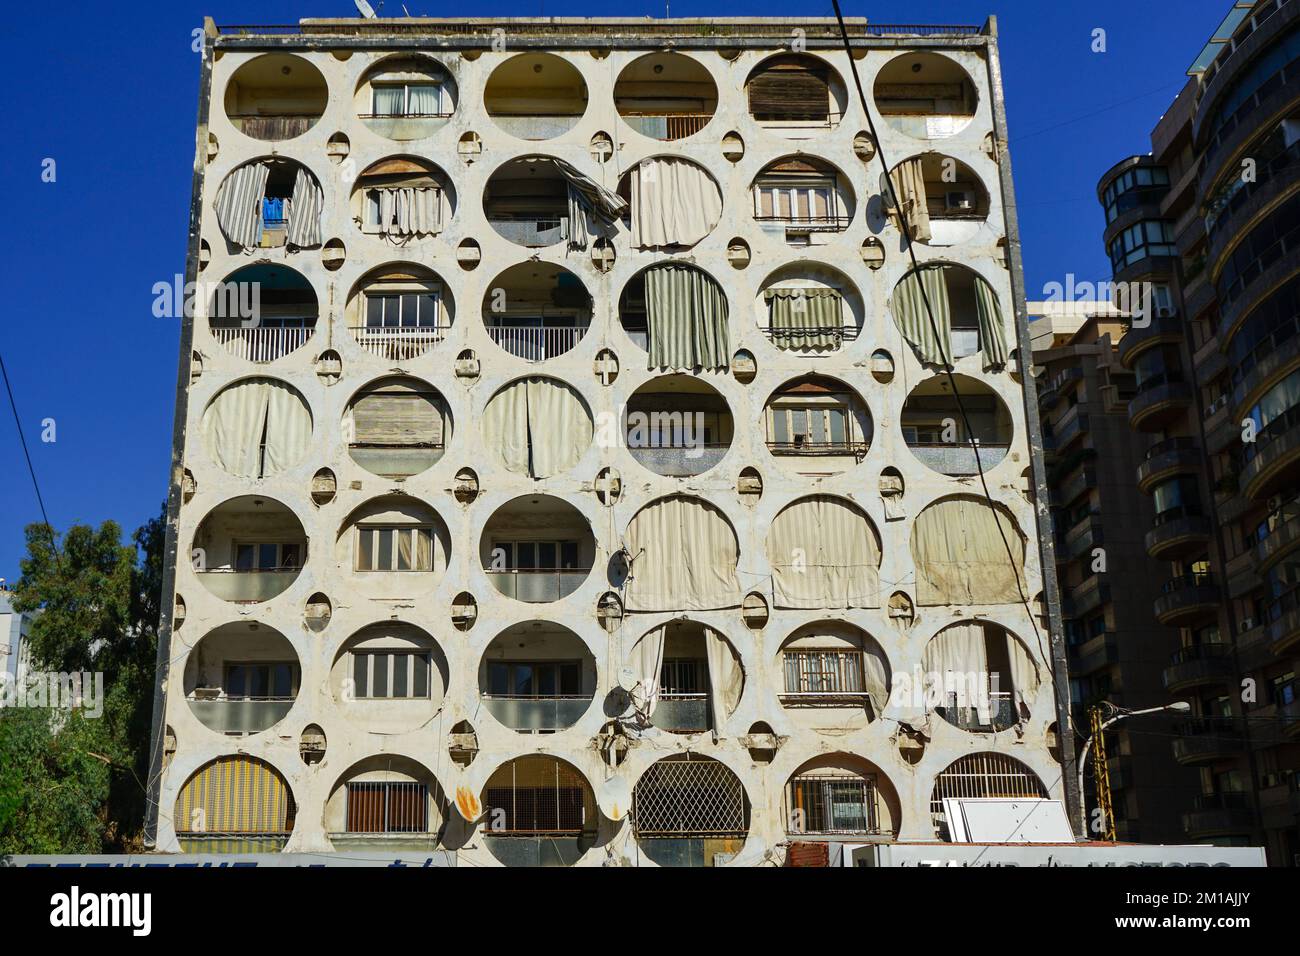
(108, 90)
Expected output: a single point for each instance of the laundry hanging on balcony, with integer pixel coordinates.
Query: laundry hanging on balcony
(239, 204)
(928, 283)
(304, 212)
(674, 203)
(805, 320)
(908, 181)
(234, 795)
(256, 428)
(683, 557)
(539, 426)
(824, 554)
(686, 319)
(588, 197)
(960, 558)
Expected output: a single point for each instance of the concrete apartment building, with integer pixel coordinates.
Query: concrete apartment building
(1117, 651)
(1210, 219)
(587, 488)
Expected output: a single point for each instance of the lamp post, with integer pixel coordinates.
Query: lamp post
(1177, 707)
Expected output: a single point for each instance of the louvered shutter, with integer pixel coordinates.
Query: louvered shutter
(398, 415)
(794, 92)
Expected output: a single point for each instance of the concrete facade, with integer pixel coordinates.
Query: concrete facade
(360, 733)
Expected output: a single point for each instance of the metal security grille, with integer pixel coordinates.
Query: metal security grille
(982, 775)
(397, 807)
(686, 796)
(535, 795)
(823, 672)
(832, 804)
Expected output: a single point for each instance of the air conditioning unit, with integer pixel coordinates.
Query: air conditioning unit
(959, 200)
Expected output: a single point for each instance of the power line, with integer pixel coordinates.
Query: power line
(40, 500)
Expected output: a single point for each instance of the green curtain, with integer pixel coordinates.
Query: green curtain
(911, 317)
(993, 340)
(805, 320)
(686, 319)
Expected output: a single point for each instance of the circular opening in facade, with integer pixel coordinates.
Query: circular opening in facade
(263, 312)
(677, 426)
(390, 677)
(242, 679)
(276, 97)
(249, 549)
(817, 426)
(672, 203)
(386, 801)
(537, 678)
(665, 96)
(539, 811)
(825, 553)
(535, 96)
(536, 310)
(944, 199)
(964, 314)
(925, 95)
(675, 826)
(397, 427)
(537, 548)
(537, 426)
(809, 309)
(796, 95)
(981, 775)
(405, 98)
(838, 794)
(836, 675)
(284, 211)
(257, 427)
(389, 539)
(689, 678)
(403, 199)
(678, 314)
(936, 431)
(802, 200)
(983, 677)
(400, 311)
(212, 816)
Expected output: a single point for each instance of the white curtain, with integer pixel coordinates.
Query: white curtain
(683, 556)
(960, 557)
(824, 554)
(959, 651)
(257, 428)
(674, 203)
(993, 337)
(1024, 674)
(875, 677)
(239, 204)
(305, 211)
(539, 426)
(646, 661)
(726, 676)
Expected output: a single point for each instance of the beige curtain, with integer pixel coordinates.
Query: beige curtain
(1024, 674)
(674, 203)
(683, 555)
(961, 651)
(539, 426)
(726, 676)
(256, 428)
(918, 286)
(909, 191)
(993, 339)
(824, 554)
(960, 557)
(239, 204)
(805, 320)
(410, 210)
(646, 661)
(875, 677)
(686, 319)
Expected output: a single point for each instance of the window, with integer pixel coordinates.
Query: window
(824, 672)
(534, 678)
(271, 680)
(794, 425)
(1153, 237)
(390, 674)
(394, 549)
(832, 804)
(534, 555)
(801, 200)
(406, 99)
(267, 556)
(393, 310)
(680, 677)
(1136, 186)
(388, 807)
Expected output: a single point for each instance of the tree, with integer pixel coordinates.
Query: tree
(96, 605)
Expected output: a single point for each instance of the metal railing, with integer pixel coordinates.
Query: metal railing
(858, 449)
(808, 223)
(536, 344)
(263, 343)
(819, 674)
(667, 126)
(689, 796)
(532, 714)
(840, 803)
(538, 585)
(387, 807)
(1000, 714)
(398, 344)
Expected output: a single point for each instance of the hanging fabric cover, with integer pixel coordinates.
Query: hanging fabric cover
(257, 427)
(875, 677)
(409, 210)
(674, 203)
(538, 425)
(586, 197)
(646, 661)
(908, 181)
(686, 319)
(927, 282)
(239, 204)
(960, 557)
(824, 554)
(726, 676)
(993, 341)
(234, 795)
(304, 212)
(683, 557)
(805, 320)
(1024, 674)
(957, 659)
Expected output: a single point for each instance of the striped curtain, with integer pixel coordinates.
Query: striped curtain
(684, 557)
(909, 193)
(960, 557)
(239, 204)
(304, 213)
(926, 283)
(686, 319)
(993, 341)
(824, 554)
(410, 210)
(234, 795)
(805, 320)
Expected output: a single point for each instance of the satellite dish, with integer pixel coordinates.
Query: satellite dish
(467, 802)
(627, 679)
(365, 9)
(614, 798)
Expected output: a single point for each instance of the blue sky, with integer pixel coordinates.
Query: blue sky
(108, 90)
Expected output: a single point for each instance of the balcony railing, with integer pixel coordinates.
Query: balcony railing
(536, 344)
(1001, 714)
(807, 449)
(667, 126)
(247, 586)
(533, 231)
(535, 125)
(531, 714)
(240, 715)
(683, 713)
(1198, 664)
(232, 842)
(810, 337)
(953, 459)
(806, 223)
(398, 344)
(263, 343)
(539, 585)
(680, 462)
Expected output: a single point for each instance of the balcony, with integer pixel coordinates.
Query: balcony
(667, 126)
(1000, 715)
(249, 549)
(1198, 665)
(1273, 459)
(537, 714)
(1167, 458)
(1095, 654)
(1177, 533)
(1082, 538)
(680, 462)
(239, 716)
(1158, 404)
(682, 713)
(1206, 741)
(538, 585)
(1159, 329)
(959, 460)
(276, 96)
(1069, 427)
(925, 95)
(248, 586)
(1284, 622)
(398, 344)
(1219, 814)
(536, 344)
(1282, 537)
(532, 230)
(1288, 716)
(1087, 596)
(1051, 390)
(537, 549)
(1081, 481)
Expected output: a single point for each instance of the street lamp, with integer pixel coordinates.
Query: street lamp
(1177, 707)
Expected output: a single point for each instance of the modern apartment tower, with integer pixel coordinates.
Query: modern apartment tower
(1210, 219)
(565, 469)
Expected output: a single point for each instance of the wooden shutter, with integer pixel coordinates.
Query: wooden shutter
(791, 90)
(398, 414)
